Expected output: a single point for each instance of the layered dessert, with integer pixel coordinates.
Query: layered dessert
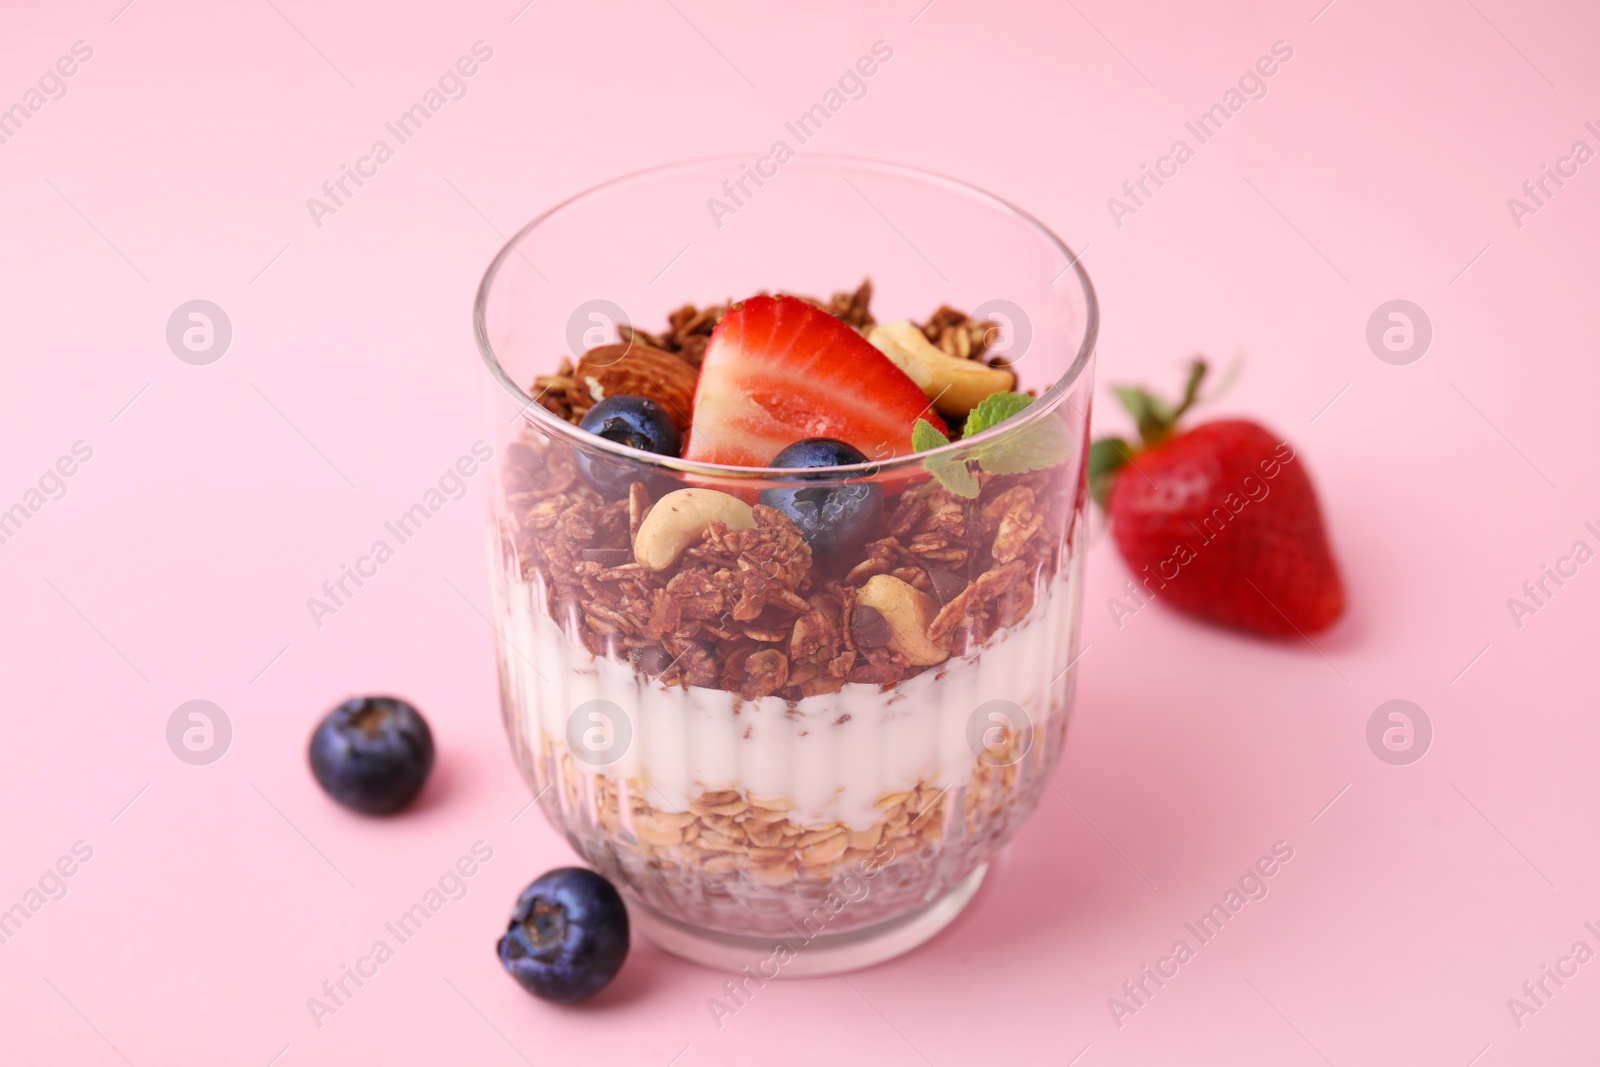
(818, 695)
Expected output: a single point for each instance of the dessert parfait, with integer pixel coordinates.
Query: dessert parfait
(786, 584)
(787, 592)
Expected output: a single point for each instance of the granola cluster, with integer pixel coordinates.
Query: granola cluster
(751, 611)
(736, 861)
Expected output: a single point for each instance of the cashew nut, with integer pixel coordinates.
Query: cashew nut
(681, 518)
(908, 611)
(955, 385)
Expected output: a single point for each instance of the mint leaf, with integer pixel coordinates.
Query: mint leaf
(1042, 445)
(952, 473)
(925, 436)
(993, 410)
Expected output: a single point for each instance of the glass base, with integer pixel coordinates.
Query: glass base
(805, 956)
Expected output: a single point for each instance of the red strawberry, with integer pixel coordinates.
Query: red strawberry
(1220, 520)
(779, 370)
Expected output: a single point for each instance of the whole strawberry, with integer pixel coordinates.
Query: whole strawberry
(1219, 520)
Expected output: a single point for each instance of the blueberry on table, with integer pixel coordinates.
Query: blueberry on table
(834, 518)
(372, 754)
(568, 936)
(635, 421)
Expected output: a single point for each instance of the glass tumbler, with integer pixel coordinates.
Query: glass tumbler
(789, 760)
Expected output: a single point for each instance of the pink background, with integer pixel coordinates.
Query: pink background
(218, 498)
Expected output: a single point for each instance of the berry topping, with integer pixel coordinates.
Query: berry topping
(634, 421)
(819, 452)
(372, 754)
(568, 936)
(833, 518)
(778, 369)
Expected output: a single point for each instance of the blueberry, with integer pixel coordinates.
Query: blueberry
(372, 754)
(568, 936)
(832, 519)
(635, 421)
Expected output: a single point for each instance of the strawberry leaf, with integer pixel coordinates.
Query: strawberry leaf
(1106, 457)
(1191, 389)
(1156, 419)
(1151, 414)
(993, 410)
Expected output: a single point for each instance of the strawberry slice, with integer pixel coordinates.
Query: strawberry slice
(778, 370)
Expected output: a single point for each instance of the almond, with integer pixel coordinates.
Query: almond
(639, 370)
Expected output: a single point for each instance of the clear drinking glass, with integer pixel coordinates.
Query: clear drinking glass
(771, 780)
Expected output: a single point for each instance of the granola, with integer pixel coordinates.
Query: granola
(751, 864)
(756, 600)
(750, 611)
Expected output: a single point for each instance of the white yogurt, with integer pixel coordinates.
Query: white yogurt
(689, 740)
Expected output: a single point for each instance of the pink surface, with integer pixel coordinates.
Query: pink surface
(218, 498)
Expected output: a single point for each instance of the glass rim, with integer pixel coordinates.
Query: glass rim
(1044, 404)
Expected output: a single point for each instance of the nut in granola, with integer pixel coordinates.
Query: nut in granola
(955, 385)
(637, 369)
(682, 518)
(908, 611)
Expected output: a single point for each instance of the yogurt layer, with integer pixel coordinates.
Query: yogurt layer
(832, 756)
